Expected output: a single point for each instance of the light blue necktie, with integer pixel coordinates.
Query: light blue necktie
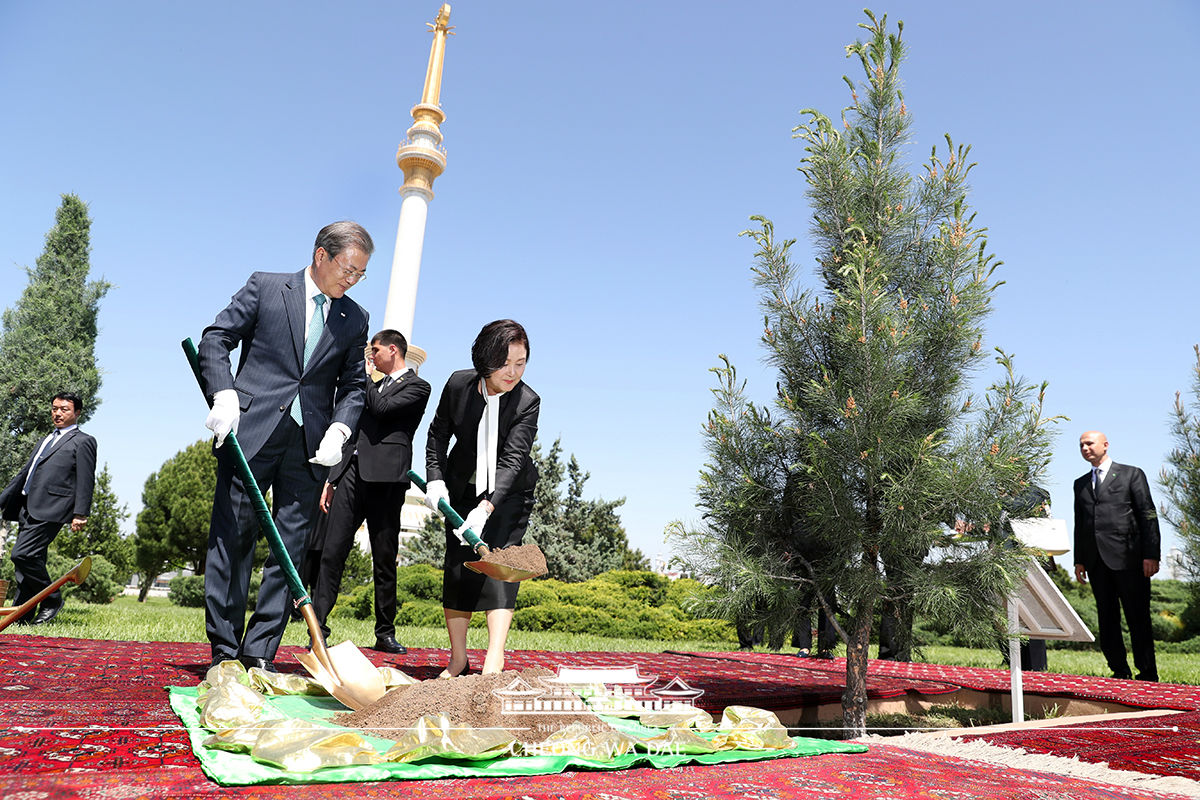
(47, 445)
(316, 326)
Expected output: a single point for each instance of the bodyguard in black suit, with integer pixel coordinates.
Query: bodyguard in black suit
(298, 391)
(1117, 549)
(370, 483)
(54, 488)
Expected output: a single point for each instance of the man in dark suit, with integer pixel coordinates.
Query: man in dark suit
(298, 391)
(370, 483)
(1117, 549)
(54, 488)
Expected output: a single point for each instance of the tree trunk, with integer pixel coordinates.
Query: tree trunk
(854, 698)
(147, 582)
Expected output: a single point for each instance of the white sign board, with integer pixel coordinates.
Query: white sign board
(1042, 611)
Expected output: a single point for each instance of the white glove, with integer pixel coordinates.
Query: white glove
(435, 491)
(224, 414)
(329, 451)
(475, 521)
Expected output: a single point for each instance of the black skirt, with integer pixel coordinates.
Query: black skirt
(465, 589)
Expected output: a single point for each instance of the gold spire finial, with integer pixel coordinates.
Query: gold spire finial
(422, 156)
(437, 52)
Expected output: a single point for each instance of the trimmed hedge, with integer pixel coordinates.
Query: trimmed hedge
(621, 603)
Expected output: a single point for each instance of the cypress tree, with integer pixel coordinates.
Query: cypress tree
(48, 338)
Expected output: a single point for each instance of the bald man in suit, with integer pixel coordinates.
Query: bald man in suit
(297, 395)
(1117, 551)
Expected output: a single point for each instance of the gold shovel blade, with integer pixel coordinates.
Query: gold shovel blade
(500, 572)
(357, 683)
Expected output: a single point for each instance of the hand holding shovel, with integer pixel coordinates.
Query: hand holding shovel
(344, 671)
(485, 565)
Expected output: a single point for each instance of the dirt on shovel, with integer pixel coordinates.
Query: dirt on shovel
(527, 560)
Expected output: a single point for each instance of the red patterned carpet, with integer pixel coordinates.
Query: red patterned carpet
(1134, 745)
(1132, 693)
(90, 719)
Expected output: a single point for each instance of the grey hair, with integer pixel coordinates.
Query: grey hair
(337, 236)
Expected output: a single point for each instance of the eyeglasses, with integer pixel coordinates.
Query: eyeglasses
(352, 275)
(349, 273)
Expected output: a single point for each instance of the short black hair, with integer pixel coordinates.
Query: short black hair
(490, 350)
(390, 336)
(74, 398)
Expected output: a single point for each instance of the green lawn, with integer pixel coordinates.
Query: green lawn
(157, 620)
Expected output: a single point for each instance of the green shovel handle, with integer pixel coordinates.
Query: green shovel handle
(450, 514)
(265, 521)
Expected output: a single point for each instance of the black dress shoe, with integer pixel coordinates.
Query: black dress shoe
(46, 614)
(388, 644)
(218, 660)
(255, 661)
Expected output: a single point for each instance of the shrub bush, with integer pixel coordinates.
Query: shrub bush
(102, 584)
(1167, 627)
(686, 593)
(421, 613)
(187, 591)
(1187, 646)
(641, 586)
(538, 591)
(647, 623)
(420, 581)
(707, 630)
(598, 594)
(358, 604)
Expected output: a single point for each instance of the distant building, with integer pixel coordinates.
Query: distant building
(662, 565)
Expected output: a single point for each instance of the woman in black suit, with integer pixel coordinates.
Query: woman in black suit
(492, 415)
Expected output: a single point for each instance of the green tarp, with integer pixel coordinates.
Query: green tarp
(239, 769)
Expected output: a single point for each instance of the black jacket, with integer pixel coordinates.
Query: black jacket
(62, 484)
(385, 431)
(1119, 524)
(458, 413)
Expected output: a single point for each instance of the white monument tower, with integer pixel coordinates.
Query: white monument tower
(422, 158)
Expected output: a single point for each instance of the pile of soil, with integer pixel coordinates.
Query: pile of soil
(528, 557)
(468, 700)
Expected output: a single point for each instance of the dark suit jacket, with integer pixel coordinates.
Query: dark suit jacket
(1119, 526)
(458, 414)
(62, 484)
(267, 318)
(385, 431)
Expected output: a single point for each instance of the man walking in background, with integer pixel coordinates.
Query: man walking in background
(297, 396)
(54, 488)
(1117, 550)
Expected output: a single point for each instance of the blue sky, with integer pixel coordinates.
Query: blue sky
(602, 159)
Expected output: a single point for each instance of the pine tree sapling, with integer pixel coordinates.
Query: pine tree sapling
(1181, 479)
(847, 486)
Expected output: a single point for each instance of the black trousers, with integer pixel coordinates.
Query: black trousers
(356, 500)
(282, 467)
(29, 560)
(1127, 589)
